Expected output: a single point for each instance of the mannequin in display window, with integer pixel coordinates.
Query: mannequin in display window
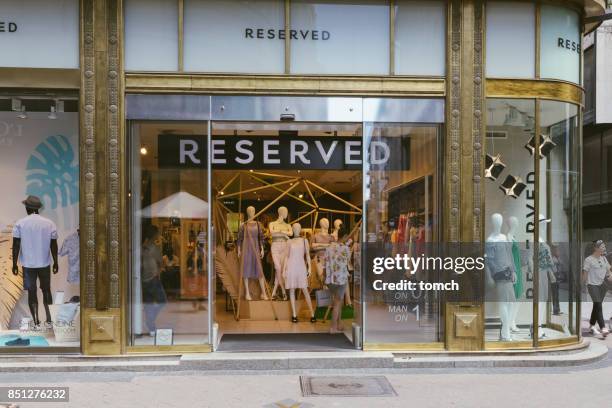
(320, 242)
(546, 272)
(518, 284)
(297, 270)
(280, 232)
(338, 224)
(250, 246)
(500, 273)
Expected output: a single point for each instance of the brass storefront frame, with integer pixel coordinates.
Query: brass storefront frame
(103, 135)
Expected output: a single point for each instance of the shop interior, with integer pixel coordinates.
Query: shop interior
(253, 307)
(278, 299)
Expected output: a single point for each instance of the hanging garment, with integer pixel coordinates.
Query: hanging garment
(70, 248)
(296, 269)
(250, 242)
(516, 255)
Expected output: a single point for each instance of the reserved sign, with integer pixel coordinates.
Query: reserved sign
(283, 152)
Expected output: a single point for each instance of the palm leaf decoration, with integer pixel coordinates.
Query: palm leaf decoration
(53, 172)
(11, 286)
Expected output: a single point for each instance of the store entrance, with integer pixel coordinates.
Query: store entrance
(283, 191)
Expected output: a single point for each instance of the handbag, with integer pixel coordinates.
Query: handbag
(323, 297)
(503, 275)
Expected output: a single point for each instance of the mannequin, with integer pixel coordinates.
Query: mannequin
(499, 268)
(518, 284)
(251, 247)
(337, 225)
(297, 269)
(546, 272)
(36, 265)
(320, 241)
(347, 292)
(281, 232)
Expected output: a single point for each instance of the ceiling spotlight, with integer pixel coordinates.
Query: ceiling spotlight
(221, 193)
(52, 115)
(143, 150)
(301, 195)
(22, 113)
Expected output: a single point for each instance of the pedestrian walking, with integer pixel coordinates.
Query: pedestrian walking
(595, 270)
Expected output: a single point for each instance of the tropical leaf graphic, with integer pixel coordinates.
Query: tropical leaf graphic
(53, 173)
(11, 286)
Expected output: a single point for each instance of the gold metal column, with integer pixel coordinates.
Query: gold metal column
(464, 142)
(101, 170)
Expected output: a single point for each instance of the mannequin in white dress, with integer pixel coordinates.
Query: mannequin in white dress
(297, 269)
(499, 269)
(250, 244)
(280, 232)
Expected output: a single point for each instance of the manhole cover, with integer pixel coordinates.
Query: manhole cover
(369, 386)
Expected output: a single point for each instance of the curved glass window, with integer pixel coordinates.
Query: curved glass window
(559, 257)
(509, 224)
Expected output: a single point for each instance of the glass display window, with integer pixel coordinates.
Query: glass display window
(39, 223)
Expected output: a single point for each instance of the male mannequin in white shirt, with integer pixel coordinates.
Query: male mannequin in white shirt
(34, 243)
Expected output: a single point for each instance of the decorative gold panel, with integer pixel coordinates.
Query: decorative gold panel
(453, 123)
(101, 328)
(528, 88)
(36, 78)
(466, 325)
(281, 85)
(88, 157)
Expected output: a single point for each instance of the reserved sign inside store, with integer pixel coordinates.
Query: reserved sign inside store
(8, 27)
(284, 152)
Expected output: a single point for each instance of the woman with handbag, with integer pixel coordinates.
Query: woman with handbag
(595, 271)
(337, 257)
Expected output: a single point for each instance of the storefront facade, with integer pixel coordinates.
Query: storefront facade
(424, 127)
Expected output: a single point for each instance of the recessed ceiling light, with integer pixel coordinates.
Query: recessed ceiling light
(143, 150)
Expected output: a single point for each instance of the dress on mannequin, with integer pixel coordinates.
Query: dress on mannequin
(296, 273)
(518, 284)
(250, 239)
(280, 231)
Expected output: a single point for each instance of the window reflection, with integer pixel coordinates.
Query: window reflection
(169, 277)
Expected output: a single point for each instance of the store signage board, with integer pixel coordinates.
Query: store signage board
(561, 44)
(281, 34)
(39, 34)
(8, 27)
(275, 153)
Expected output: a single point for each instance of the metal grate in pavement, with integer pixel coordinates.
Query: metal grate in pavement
(346, 386)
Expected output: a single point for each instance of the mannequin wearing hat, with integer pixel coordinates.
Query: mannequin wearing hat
(34, 245)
